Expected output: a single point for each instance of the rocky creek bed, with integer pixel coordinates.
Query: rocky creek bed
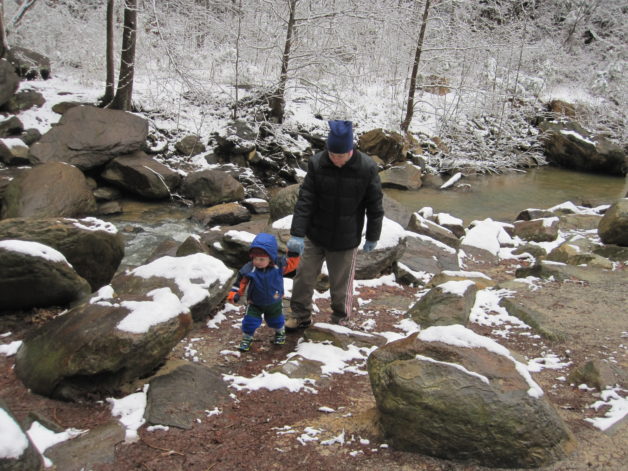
(272, 430)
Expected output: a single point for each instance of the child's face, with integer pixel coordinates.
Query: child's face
(261, 262)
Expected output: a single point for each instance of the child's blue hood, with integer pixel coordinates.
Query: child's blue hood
(267, 243)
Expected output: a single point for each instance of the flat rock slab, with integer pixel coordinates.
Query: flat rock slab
(97, 446)
(176, 399)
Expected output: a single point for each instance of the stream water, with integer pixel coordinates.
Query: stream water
(501, 197)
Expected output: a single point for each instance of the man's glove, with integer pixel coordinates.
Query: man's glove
(233, 297)
(296, 244)
(369, 245)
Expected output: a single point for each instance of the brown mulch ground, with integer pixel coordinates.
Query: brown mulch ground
(260, 429)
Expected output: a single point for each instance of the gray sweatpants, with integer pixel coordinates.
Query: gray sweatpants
(341, 267)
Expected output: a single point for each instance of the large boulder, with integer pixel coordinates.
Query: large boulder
(613, 227)
(226, 213)
(190, 145)
(569, 145)
(450, 393)
(29, 64)
(424, 226)
(49, 190)
(389, 146)
(11, 126)
(142, 175)
(9, 81)
(371, 264)
(13, 151)
(35, 275)
(423, 258)
(93, 247)
(24, 100)
(446, 304)
(404, 176)
(17, 452)
(89, 137)
(282, 203)
(537, 230)
(201, 281)
(211, 187)
(484, 240)
(125, 330)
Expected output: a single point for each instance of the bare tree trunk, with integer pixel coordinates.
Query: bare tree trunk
(237, 63)
(4, 47)
(24, 7)
(110, 78)
(124, 94)
(415, 70)
(278, 101)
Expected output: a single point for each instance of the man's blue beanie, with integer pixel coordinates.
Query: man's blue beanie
(340, 138)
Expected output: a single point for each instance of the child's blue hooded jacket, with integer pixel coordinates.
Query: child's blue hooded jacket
(264, 286)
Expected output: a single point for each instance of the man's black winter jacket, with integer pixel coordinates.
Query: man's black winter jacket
(333, 201)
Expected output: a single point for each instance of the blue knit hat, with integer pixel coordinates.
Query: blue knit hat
(340, 138)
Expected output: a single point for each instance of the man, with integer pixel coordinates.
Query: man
(341, 187)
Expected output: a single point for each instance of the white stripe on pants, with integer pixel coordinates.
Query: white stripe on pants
(341, 267)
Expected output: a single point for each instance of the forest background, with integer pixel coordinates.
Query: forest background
(474, 73)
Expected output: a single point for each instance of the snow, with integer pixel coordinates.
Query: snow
(130, 411)
(460, 336)
(193, 274)
(618, 408)
(33, 249)
(577, 136)
(95, 224)
(14, 442)
(457, 288)
(240, 236)
(482, 378)
(145, 314)
(451, 181)
(488, 235)
(43, 438)
(10, 348)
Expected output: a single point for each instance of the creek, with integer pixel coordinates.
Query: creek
(502, 197)
(145, 225)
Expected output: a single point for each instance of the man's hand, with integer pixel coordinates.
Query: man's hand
(369, 245)
(233, 297)
(296, 244)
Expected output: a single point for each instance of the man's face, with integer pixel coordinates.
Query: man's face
(340, 159)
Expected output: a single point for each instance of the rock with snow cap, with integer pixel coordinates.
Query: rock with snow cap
(142, 175)
(89, 137)
(446, 304)
(537, 230)
(124, 331)
(567, 144)
(451, 393)
(93, 247)
(35, 275)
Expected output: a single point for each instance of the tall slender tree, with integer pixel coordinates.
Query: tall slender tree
(124, 93)
(110, 72)
(405, 125)
(4, 47)
(278, 101)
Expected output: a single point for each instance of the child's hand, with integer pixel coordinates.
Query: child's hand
(233, 297)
